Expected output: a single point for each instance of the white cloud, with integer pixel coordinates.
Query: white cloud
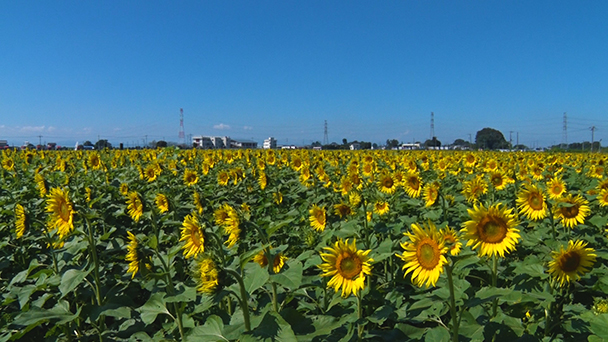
(221, 126)
(248, 128)
(29, 129)
(117, 129)
(51, 129)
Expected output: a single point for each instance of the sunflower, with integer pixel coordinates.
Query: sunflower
(317, 218)
(602, 198)
(223, 177)
(492, 229)
(206, 275)
(474, 188)
(94, 161)
(498, 180)
(354, 198)
(386, 184)
(262, 180)
(8, 164)
(192, 233)
(162, 203)
(277, 197)
(59, 206)
(277, 263)
(124, 189)
(20, 220)
(430, 193)
(452, 240)
(135, 207)
(424, 254)
(412, 184)
(347, 266)
(230, 220)
(150, 173)
(221, 214)
(40, 184)
(381, 207)
(196, 198)
(556, 188)
(572, 210)
(132, 256)
(343, 210)
(531, 202)
(190, 177)
(569, 264)
(88, 194)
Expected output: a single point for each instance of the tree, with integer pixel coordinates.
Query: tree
(102, 143)
(391, 143)
(490, 139)
(344, 142)
(432, 142)
(461, 142)
(161, 143)
(88, 143)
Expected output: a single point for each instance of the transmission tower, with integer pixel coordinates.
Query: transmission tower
(592, 128)
(325, 138)
(565, 134)
(432, 125)
(182, 135)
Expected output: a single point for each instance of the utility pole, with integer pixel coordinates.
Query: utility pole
(146, 141)
(432, 125)
(40, 140)
(565, 133)
(592, 128)
(325, 138)
(510, 140)
(517, 138)
(470, 140)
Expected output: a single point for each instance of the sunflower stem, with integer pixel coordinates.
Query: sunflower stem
(494, 281)
(275, 304)
(455, 320)
(360, 316)
(244, 298)
(550, 207)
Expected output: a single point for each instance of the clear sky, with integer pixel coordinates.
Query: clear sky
(375, 70)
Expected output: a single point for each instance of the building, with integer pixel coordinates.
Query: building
(415, 146)
(3, 144)
(355, 146)
(214, 142)
(244, 144)
(270, 143)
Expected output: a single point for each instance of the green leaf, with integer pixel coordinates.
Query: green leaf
(154, 306)
(112, 310)
(291, 277)
(272, 328)
(71, 279)
(211, 331)
(255, 277)
(187, 295)
(274, 226)
(36, 316)
(437, 334)
(599, 221)
(599, 326)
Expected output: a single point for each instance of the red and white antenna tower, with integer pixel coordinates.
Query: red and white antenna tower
(182, 135)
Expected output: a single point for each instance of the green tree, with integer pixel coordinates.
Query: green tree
(490, 139)
(432, 142)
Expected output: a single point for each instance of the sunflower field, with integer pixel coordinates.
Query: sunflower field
(300, 245)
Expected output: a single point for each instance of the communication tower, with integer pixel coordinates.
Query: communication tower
(432, 125)
(565, 133)
(182, 135)
(325, 138)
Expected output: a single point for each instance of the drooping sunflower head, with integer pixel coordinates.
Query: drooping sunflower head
(277, 197)
(381, 207)
(492, 230)
(196, 198)
(343, 210)
(124, 189)
(602, 198)
(277, 263)
(135, 206)
(430, 193)
(206, 275)
(262, 180)
(347, 266)
(531, 202)
(317, 218)
(162, 203)
(190, 177)
(556, 188)
(570, 263)
(223, 177)
(59, 207)
(20, 221)
(572, 210)
(132, 257)
(452, 240)
(424, 254)
(41, 184)
(412, 185)
(192, 233)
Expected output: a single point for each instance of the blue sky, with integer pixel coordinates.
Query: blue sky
(121, 70)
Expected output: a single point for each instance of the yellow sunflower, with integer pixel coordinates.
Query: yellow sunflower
(206, 275)
(135, 207)
(132, 256)
(452, 240)
(192, 233)
(569, 264)
(473, 189)
(8, 164)
(40, 184)
(556, 188)
(317, 218)
(162, 203)
(412, 185)
(381, 207)
(424, 254)
(59, 206)
(94, 161)
(227, 217)
(343, 210)
(602, 198)
(492, 229)
(277, 197)
(262, 180)
(190, 177)
(196, 198)
(572, 210)
(430, 193)
(124, 189)
(531, 202)
(347, 266)
(151, 172)
(386, 184)
(498, 180)
(277, 263)
(354, 198)
(20, 220)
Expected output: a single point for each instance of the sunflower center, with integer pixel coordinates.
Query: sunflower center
(570, 261)
(196, 237)
(556, 189)
(492, 229)
(570, 212)
(413, 183)
(428, 254)
(64, 211)
(350, 266)
(535, 201)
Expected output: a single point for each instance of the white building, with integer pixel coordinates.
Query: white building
(270, 143)
(213, 142)
(410, 146)
(355, 146)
